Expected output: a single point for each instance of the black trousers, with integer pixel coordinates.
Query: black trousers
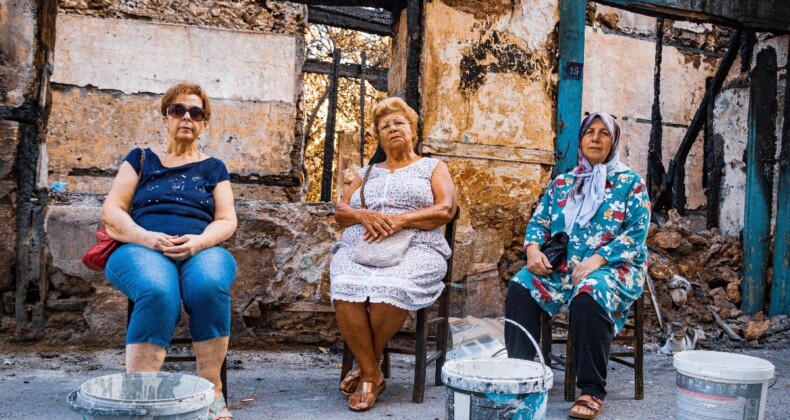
(592, 333)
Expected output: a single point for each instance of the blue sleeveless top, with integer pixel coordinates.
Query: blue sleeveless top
(176, 201)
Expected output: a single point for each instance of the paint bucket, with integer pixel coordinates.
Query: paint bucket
(160, 395)
(721, 386)
(495, 388)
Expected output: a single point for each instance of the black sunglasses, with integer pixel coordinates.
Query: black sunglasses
(178, 111)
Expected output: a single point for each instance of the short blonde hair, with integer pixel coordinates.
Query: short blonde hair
(392, 105)
(185, 88)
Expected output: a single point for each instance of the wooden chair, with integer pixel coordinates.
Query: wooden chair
(635, 324)
(223, 373)
(421, 336)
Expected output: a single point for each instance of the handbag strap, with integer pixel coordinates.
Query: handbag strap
(362, 188)
(142, 162)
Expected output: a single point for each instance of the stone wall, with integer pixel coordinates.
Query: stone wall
(280, 293)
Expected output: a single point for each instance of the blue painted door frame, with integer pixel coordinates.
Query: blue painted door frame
(569, 90)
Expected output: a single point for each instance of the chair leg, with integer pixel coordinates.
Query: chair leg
(386, 367)
(420, 358)
(441, 348)
(223, 377)
(639, 335)
(348, 361)
(545, 337)
(570, 369)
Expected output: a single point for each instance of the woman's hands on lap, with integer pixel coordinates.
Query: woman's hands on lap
(586, 267)
(537, 262)
(157, 241)
(184, 247)
(377, 225)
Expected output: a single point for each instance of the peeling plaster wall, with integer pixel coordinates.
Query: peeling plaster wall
(488, 84)
(17, 51)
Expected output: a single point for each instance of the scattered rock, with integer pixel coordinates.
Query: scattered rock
(667, 240)
(756, 330)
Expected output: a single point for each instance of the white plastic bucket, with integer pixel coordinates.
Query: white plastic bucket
(721, 386)
(160, 395)
(496, 388)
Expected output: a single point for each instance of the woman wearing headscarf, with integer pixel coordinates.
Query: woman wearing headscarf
(603, 207)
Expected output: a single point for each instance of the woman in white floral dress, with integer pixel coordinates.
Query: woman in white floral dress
(404, 191)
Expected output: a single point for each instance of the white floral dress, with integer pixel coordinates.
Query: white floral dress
(417, 281)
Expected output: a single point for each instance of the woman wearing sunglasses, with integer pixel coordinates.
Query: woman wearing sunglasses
(172, 208)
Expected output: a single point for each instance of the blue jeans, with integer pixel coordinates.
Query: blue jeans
(157, 285)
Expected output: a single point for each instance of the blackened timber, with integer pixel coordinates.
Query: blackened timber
(362, 97)
(371, 21)
(377, 76)
(760, 155)
(661, 201)
(268, 180)
(714, 166)
(380, 4)
(414, 28)
(329, 138)
(655, 163)
(763, 15)
(24, 114)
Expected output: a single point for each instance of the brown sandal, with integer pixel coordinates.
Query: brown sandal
(595, 405)
(351, 381)
(367, 388)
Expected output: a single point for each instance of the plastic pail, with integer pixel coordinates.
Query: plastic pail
(161, 395)
(721, 386)
(495, 388)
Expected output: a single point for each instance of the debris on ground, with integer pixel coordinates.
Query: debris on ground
(697, 278)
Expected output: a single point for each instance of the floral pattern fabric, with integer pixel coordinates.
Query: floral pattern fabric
(417, 281)
(617, 232)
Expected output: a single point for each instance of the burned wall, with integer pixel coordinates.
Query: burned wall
(622, 85)
(488, 86)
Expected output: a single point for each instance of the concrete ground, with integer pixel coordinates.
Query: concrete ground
(302, 384)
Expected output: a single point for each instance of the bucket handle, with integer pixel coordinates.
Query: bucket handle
(97, 411)
(537, 349)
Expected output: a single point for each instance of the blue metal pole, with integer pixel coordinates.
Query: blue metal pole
(780, 290)
(760, 149)
(569, 91)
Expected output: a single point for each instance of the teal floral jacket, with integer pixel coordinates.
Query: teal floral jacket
(617, 232)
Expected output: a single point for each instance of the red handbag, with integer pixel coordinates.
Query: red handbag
(96, 257)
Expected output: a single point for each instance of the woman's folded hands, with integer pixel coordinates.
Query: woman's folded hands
(377, 225)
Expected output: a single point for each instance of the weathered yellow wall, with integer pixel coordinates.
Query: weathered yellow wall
(488, 112)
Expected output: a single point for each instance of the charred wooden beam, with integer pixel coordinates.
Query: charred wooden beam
(760, 155)
(329, 138)
(24, 114)
(361, 19)
(714, 166)
(379, 4)
(655, 152)
(661, 201)
(377, 76)
(764, 15)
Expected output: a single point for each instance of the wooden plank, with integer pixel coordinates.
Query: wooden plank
(569, 90)
(780, 291)
(329, 137)
(378, 22)
(488, 152)
(760, 152)
(763, 15)
(377, 76)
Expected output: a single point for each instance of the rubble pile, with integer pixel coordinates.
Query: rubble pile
(697, 280)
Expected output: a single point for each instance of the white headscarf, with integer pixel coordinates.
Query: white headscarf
(587, 195)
